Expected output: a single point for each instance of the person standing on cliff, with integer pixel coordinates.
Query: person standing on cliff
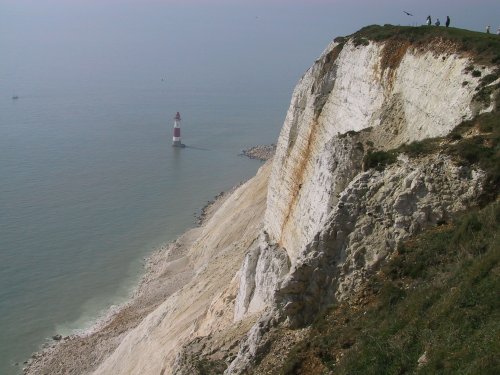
(428, 20)
(498, 30)
(438, 22)
(448, 21)
(488, 29)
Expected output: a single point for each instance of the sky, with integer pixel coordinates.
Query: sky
(232, 43)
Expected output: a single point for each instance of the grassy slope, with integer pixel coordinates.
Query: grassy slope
(438, 295)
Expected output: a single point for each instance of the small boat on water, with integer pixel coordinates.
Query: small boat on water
(15, 97)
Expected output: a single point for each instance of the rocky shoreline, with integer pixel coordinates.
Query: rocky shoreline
(211, 206)
(166, 271)
(85, 350)
(261, 152)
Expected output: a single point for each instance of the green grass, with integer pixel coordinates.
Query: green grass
(485, 48)
(482, 149)
(439, 295)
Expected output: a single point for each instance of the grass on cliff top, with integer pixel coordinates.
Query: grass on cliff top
(438, 296)
(485, 48)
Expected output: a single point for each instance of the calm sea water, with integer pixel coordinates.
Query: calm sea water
(89, 185)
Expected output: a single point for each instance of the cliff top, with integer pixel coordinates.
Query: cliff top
(483, 48)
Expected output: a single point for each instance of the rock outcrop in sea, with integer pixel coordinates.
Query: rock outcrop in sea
(261, 152)
(344, 189)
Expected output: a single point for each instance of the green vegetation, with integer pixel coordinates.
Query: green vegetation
(360, 41)
(484, 47)
(340, 39)
(487, 79)
(210, 367)
(482, 149)
(484, 90)
(420, 148)
(379, 159)
(438, 296)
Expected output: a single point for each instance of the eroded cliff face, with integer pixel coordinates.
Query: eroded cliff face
(335, 222)
(403, 93)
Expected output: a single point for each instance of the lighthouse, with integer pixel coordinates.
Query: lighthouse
(176, 140)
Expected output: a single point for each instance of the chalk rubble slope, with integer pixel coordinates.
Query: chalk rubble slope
(215, 257)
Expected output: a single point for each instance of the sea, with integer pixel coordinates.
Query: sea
(90, 185)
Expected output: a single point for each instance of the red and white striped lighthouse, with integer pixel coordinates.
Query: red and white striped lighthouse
(176, 140)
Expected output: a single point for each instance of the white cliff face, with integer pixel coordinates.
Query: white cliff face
(421, 94)
(434, 97)
(263, 268)
(302, 181)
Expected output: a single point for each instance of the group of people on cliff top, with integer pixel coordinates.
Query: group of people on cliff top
(488, 30)
(428, 21)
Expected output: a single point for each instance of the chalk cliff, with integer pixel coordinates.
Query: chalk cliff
(350, 88)
(319, 220)
(335, 220)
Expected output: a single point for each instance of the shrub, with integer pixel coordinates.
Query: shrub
(454, 136)
(358, 41)
(419, 148)
(487, 79)
(378, 160)
(471, 150)
(209, 367)
(483, 95)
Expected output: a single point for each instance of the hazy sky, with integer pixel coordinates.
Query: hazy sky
(266, 44)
